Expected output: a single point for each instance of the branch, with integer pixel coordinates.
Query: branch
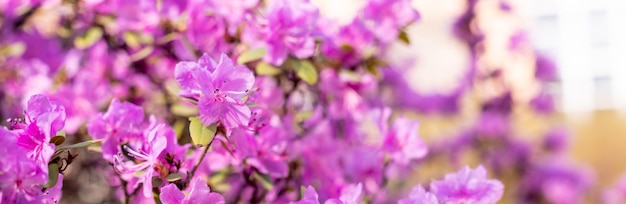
(206, 149)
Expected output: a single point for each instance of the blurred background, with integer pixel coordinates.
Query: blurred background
(584, 38)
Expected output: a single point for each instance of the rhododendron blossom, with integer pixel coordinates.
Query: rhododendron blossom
(467, 186)
(219, 87)
(198, 192)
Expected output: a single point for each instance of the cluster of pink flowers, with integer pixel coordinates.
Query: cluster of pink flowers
(27, 153)
(243, 101)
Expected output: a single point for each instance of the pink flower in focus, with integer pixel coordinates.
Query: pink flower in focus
(145, 153)
(220, 88)
(44, 118)
(119, 124)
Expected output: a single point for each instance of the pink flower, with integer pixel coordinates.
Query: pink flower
(220, 88)
(44, 118)
(262, 153)
(310, 197)
(402, 142)
(468, 186)
(145, 153)
(289, 29)
(349, 195)
(21, 178)
(119, 124)
(387, 17)
(419, 196)
(199, 192)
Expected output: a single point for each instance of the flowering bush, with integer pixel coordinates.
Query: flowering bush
(246, 101)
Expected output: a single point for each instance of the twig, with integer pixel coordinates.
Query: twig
(206, 149)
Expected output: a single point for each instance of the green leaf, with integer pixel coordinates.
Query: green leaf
(174, 177)
(303, 115)
(156, 181)
(132, 39)
(179, 128)
(251, 55)
(305, 70)
(13, 49)
(302, 191)
(200, 134)
(264, 180)
(53, 175)
(218, 177)
(81, 144)
(167, 38)
(143, 53)
(94, 148)
(183, 110)
(91, 36)
(404, 37)
(263, 68)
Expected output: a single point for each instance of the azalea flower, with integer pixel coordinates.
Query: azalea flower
(21, 178)
(467, 186)
(419, 196)
(44, 118)
(145, 153)
(350, 195)
(288, 30)
(198, 192)
(220, 88)
(119, 124)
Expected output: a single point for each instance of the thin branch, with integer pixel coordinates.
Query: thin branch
(206, 149)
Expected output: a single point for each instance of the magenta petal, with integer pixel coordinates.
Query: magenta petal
(235, 115)
(201, 193)
(37, 105)
(276, 55)
(184, 75)
(209, 110)
(46, 122)
(46, 112)
(352, 194)
(334, 201)
(124, 113)
(147, 181)
(225, 64)
(207, 62)
(244, 144)
(419, 196)
(213, 198)
(158, 146)
(170, 194)
(306, 49)
(236, 82)
(468, 185)
(275, 167)
(310, 197)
